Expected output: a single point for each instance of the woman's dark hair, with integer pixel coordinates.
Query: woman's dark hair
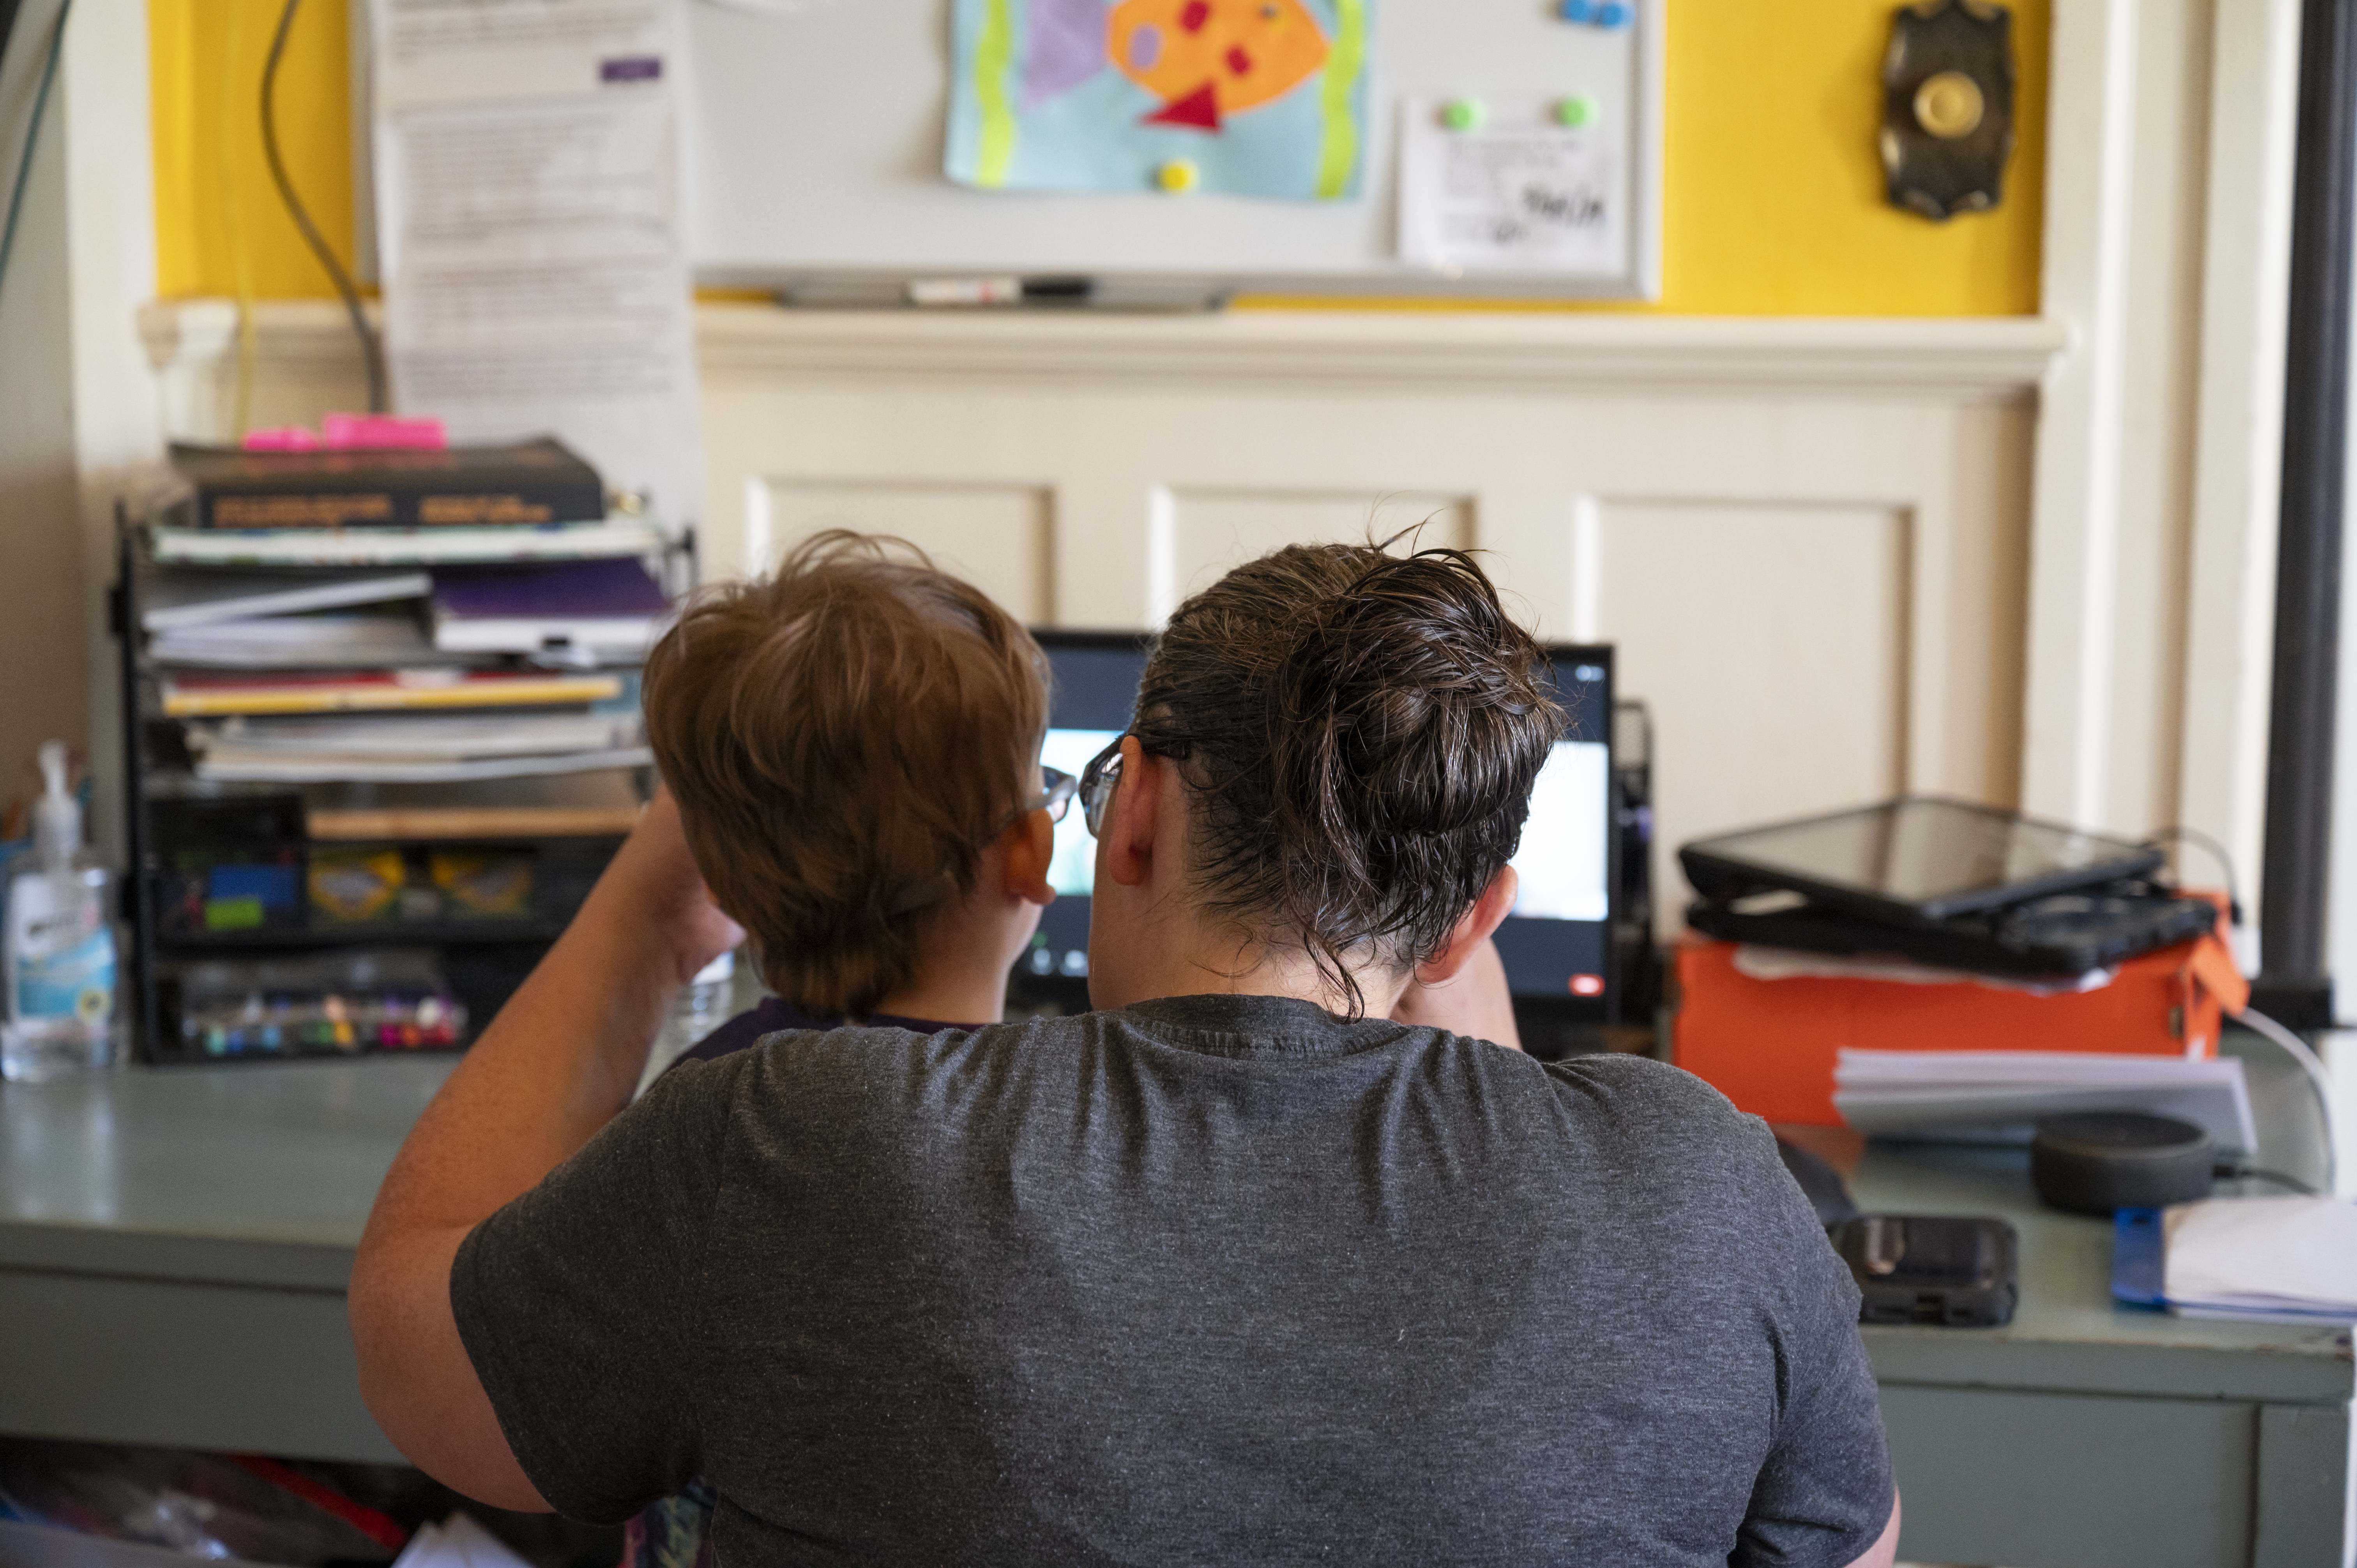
(1360, 733)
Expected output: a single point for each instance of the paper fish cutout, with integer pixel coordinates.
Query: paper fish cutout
(1209, 59)
(1066, 48)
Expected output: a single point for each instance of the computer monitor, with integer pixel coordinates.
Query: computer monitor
(1557, 944)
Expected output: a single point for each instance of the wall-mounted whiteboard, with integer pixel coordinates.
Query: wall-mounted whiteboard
(814, 151)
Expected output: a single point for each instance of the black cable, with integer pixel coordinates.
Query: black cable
(372, 351)
(2252, 1172)
(32, 137)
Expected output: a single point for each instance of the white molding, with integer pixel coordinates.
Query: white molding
(2238, 426)
(2075, 506)
(104, 119)
(2001, 358)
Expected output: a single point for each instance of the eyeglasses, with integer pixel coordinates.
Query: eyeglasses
(1055, 798)
(1097, 781)
(1055, 795)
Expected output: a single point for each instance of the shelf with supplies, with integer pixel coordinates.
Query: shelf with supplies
(371, 771)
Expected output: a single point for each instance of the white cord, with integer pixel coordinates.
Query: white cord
(2299, 1051)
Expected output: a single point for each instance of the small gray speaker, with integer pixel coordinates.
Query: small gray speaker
(2107, 1160)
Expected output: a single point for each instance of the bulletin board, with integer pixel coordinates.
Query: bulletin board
(854, 145)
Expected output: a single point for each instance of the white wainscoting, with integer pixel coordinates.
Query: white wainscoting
(1809, 539)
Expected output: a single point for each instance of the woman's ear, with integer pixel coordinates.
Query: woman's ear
(1474, 927)
(1133, 817)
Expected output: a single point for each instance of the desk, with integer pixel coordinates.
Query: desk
(175, 1246)
(2082, 1436)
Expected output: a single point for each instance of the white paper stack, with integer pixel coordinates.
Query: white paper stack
(2281, 1259)
(419, 750)
(297, 642)
(1999, 1094)
(177, 600)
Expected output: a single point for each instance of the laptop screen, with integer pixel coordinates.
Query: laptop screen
(1557, 944)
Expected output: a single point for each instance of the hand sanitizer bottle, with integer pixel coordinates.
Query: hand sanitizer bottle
(58, 946)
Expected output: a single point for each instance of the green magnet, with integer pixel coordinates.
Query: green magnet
(1462, 114)
(1575, 111)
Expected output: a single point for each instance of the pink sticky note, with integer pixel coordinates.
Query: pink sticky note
(423, 432)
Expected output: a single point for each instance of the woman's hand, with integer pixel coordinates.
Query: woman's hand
(1473, 1002)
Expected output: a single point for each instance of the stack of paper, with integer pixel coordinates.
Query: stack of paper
(617, 536)
(298, 642)
(1999, 1094)
(417, 750)
(177, 600)
(196, 694)
(284, 621)
(2283, 1260)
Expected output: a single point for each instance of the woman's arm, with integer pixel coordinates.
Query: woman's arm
(558, 1062)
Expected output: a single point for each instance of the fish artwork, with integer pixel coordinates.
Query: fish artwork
(1209, 59)
(1204, 59)
(1129, 95)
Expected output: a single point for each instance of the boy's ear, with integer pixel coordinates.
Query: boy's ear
(1029, 845)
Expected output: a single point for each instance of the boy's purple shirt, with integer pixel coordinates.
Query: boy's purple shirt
(775, 1012)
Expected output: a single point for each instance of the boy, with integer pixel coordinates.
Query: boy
(854, 745)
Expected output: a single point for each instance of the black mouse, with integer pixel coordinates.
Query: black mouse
(1823, 1184)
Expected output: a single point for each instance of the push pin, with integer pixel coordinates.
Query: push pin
(1576, 10)
(1179, 176)
(1462, 114)
(1574, 111)
(1613, 14)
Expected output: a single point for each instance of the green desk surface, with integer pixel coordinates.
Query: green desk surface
(2066, 1336)
(261, 1176)
(249, 1174)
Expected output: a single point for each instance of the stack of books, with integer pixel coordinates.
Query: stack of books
(357, 671)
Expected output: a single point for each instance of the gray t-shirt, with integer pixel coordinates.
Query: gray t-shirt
(1211, 1279)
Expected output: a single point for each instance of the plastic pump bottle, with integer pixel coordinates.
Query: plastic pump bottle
(60, 946)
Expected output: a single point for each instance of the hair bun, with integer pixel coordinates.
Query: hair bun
(1395, 693)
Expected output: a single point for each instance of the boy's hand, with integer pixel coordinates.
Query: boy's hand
(656, 874)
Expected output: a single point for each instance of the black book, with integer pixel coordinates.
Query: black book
(539, 482)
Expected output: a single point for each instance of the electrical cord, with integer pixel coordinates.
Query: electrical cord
(2298, 1050)
(32, 139)
(2253, 1173)
(2195, 836)
(371, 350)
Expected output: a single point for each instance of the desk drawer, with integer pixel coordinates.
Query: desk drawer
(182, 1366)
(2042, 1480)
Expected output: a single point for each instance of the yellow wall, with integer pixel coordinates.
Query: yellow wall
(205, 64)
(1773, 208)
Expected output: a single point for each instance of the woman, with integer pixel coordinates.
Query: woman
(1235, 1269)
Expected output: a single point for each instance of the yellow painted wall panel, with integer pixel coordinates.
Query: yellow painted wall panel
(213, 192)
(1773, 204)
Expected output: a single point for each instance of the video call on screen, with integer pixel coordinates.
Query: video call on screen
(1558, 940)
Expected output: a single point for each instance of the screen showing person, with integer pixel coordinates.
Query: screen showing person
(1074, 869)
(1558, 944)
(1558, 940)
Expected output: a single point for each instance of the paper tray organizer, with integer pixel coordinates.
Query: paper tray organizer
(1771, 1045)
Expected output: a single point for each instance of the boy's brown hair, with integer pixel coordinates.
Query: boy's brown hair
(844, 737)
